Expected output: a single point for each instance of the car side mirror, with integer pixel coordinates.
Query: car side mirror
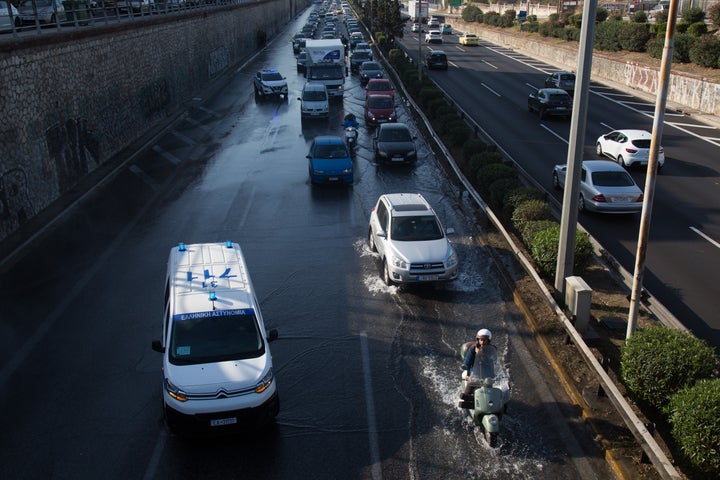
(272, 335)
(157, 346)
(382, 233)
(300, 99)
(450, 231)
(308, 156)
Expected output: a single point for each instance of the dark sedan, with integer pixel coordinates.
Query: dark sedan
(550, 101)
(393, 143)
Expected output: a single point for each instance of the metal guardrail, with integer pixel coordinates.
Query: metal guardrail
(51, 16)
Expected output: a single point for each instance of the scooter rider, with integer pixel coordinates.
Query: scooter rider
(350, 121)
(479, 364)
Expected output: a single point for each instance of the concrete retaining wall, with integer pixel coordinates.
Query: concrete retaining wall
(71, 101)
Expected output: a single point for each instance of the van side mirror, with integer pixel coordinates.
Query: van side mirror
(157, 346)
(272, 335)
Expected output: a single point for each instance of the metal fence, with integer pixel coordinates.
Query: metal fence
(20, 17)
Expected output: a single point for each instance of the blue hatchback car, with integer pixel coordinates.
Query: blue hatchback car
(329, 161)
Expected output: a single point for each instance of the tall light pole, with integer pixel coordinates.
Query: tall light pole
(651, 175)
(420, 29)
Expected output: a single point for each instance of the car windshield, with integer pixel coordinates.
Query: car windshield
(361, 55)
(379, 86)
(376, 101)
(559, 97)
(371, 66)
(395, 135)
(216, 336)
(331, 151)
(314, 95)
(612, 179)
(418, 228)
(273, 76)
(567, 77)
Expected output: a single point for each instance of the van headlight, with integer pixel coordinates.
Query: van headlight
(175, 392)
(265, 383)
(398, 262)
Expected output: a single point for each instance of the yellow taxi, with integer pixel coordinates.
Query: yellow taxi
(468, 39)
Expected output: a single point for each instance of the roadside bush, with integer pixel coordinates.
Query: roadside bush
(661, 17)
(530, 211)
(482, 159)
(396, 56)
(458, 132)
(544, 248)
(697, 29)
(706, 52)
(508, 18)
(487, 174)
(657, 362)
(601, 14)
(498, 190)
(435, 106)
(517, 196)
(575, 20)
(571, 34)
(639, 17)
(427, 94)
(681, 27)
(693, 15)
(634, 36)
(471, 13)
(530, 26)
(492, 18)
(694, 414)
(714, 14)
(533, 227)
(472, 147)
(606, 36)
(681, 48)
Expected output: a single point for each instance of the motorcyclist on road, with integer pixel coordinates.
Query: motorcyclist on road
(350, 121)
(479, 364)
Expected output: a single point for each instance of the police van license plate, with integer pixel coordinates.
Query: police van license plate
(333, 179)
(427, 278)
(223, 421)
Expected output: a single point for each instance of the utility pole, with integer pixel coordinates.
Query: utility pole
(568, 217)
(652, 167)
(420, 30)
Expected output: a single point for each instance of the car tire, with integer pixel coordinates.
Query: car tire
(621, 161)
(581, 204)
(598, 149)
(556, 181)
(530, 109)
(371, 241)
(541, 113)
(386, 275)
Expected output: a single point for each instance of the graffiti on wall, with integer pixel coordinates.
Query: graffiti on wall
(154, 97)
(218, 61)
(15, 204)
(74, 150)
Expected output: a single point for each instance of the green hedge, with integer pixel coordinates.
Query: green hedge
(529, 211)
(544, 249)
(658, 362)
(694, 414)
(487, 174)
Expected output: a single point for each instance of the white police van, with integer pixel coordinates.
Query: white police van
(217, 366)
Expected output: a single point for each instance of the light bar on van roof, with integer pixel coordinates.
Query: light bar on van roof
(181, 247)
(228, 244)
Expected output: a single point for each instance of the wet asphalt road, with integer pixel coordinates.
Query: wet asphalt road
(368, 375)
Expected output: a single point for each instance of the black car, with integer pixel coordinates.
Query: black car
(370, 70)
(357, 58)
(301, 61)
(393, 143)
(436, 59)
(550, 101)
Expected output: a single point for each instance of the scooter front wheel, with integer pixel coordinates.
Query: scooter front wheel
(492, 439)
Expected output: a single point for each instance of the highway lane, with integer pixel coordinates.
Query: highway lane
(491, 83)
(368, 374)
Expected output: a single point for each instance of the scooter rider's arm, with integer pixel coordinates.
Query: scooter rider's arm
(469, 360)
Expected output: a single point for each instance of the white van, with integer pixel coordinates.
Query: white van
(217, 367)
(314, 101)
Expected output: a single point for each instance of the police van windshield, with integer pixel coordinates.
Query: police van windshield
(216, 336)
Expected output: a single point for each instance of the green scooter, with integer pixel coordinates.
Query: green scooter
(488, 406)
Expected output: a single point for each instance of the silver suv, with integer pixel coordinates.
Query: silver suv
(270, 82)
(411, 242)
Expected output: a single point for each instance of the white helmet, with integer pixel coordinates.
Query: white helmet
(484, 332)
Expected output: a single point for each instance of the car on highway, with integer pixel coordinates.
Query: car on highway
(660, 7)
(468, 39)
(379, 109)
(436, 60)
(314, 101)
(7, 20)
(270, 82)
(369, 70)
(628, 147)
(550, 102)
(433, 36)
(446, 29)
(416, 28)
(605, 187)
(49, 12)
(357, 58)
(433, 23)
(407, 234)
(562, 80)
(380, 86)
(329, 161)
(394, 144)
(301, 60)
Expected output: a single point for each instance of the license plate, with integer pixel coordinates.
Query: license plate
(333, 179)
(397, 159)
(427, 278)
(223, 421)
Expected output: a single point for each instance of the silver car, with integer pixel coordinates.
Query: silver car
(7, 20)
(49, 12)
(605, 187)
(411, 242)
